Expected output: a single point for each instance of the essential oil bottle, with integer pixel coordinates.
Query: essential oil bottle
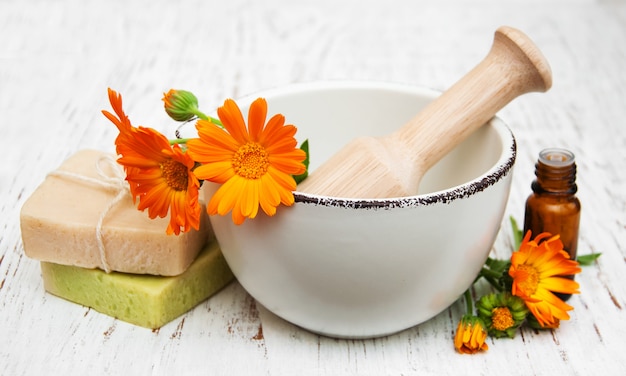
(553, 206)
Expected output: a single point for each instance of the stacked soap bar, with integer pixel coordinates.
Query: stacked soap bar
(145, 300)
(59, 220)
(153, 277)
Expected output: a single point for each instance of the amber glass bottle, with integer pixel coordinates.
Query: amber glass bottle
(553, 206)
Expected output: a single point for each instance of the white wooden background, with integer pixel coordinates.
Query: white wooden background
(58, 57)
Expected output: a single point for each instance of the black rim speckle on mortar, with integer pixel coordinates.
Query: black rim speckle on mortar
(443, 197)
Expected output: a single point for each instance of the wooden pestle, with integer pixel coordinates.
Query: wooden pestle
(393, 165)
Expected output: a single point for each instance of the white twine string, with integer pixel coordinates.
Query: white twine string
(116, 183)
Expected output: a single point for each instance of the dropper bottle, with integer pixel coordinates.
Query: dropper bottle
(553, 206)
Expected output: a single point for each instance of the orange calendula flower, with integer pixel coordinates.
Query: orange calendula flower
(536, 269)
(470, 335)
(159, 174)
(254, 164)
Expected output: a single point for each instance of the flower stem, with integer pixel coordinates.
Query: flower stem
(216, 121)
(485, 272)
(179, 141)
(492, 276)
(494, 283)
(203, 116)
(469, 304)
(198, 113)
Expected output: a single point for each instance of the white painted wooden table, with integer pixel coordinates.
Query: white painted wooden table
(58, 57)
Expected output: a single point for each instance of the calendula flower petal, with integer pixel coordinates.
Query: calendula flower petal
(561, 285)
(282, 140)
(212, 141)
(271, 193)
(120, 119)
(227, 196)
(273, 126)
(233, 121)
(218, 172)
(250, 198)
(256, 118)
(290, 163)
(282, 179)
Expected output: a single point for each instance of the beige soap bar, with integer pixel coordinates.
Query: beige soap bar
(145, 300)
(59, 220)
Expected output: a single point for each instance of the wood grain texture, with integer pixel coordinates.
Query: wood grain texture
(58, 57)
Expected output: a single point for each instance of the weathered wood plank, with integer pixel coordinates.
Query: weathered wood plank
(58, 58)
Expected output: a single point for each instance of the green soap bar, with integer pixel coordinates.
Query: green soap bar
(145, 300)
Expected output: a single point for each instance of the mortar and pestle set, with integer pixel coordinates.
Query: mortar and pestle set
(396, 224)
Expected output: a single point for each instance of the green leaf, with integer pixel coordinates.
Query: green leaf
(498, 266)
(495, 272)
(586, 260)
(305, 147)
(518, 234)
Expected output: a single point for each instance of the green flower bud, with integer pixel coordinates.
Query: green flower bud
(180, 105)
(503, 313)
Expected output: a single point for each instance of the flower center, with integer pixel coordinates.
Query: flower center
(251, 161)
(501, 318)
(529, 284)
(175, 174)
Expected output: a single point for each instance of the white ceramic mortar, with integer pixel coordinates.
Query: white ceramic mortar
(358, 268)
